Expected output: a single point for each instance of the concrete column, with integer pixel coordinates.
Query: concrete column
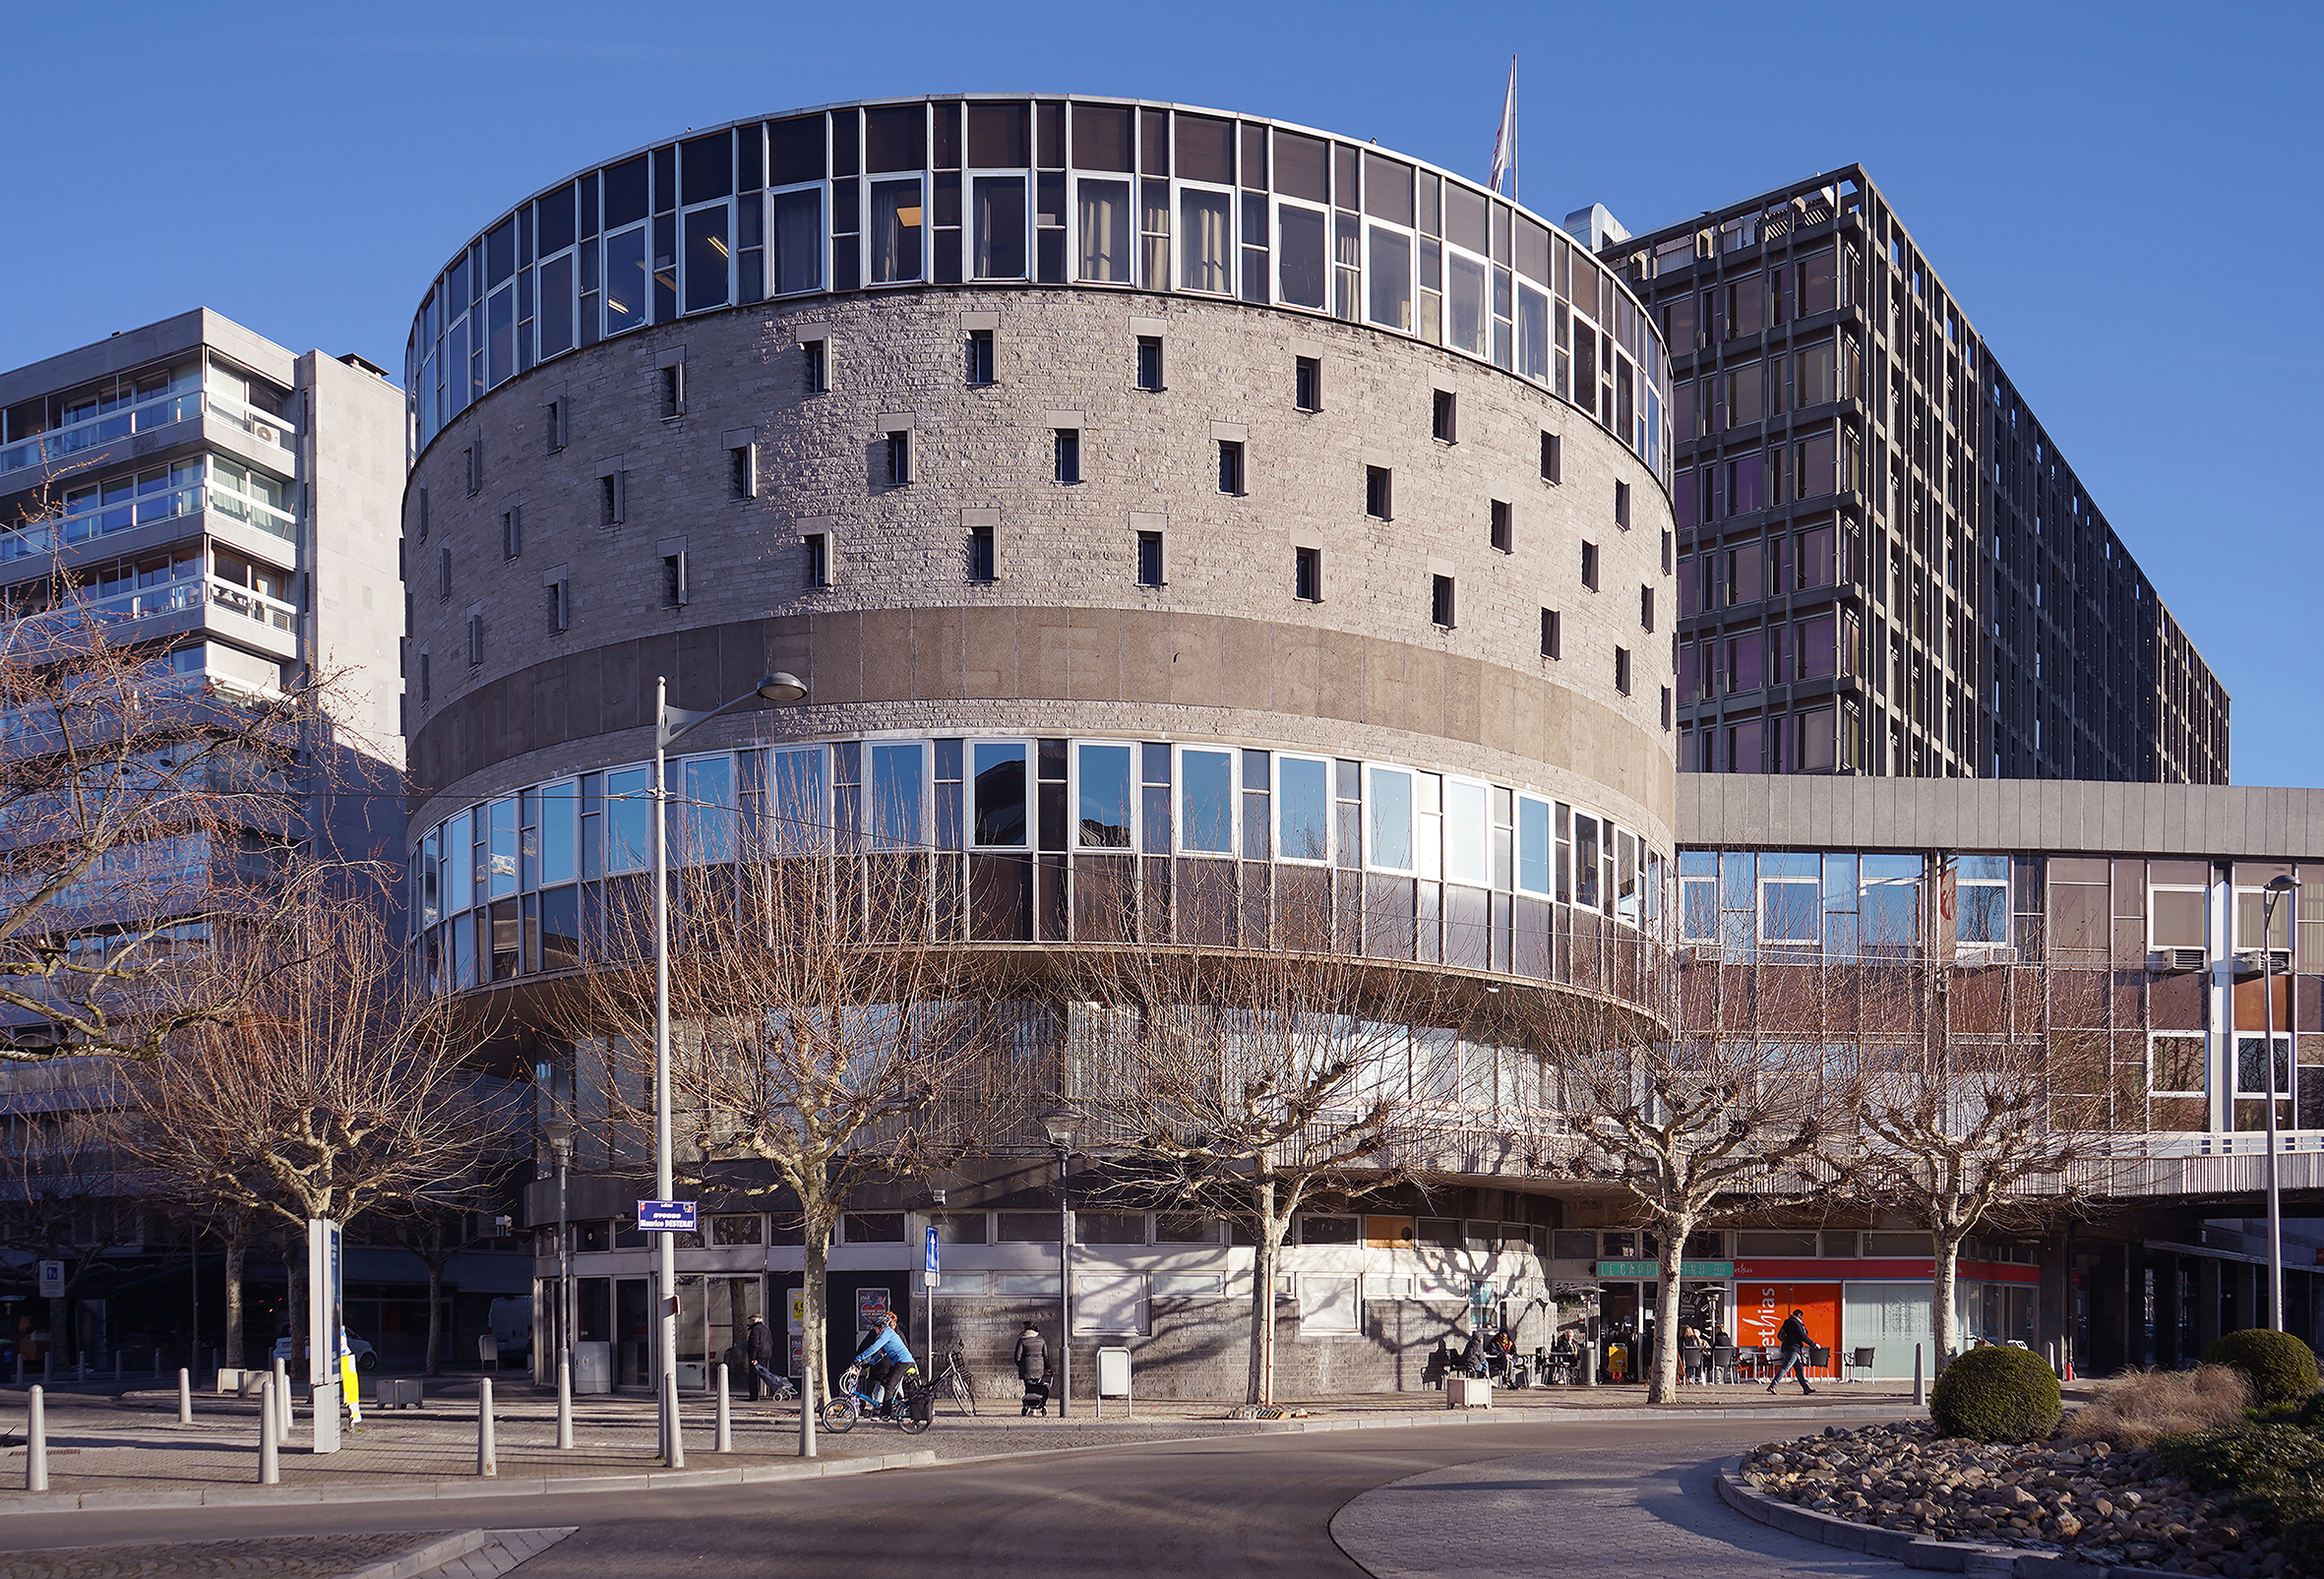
(2208, 1270)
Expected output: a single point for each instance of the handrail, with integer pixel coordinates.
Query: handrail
(176, 598)
(41, 538)
(160, 412)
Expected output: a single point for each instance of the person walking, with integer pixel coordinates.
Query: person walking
(759, 1355)
(1791, 1339)
(1032, 1366)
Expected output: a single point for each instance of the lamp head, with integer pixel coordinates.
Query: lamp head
(560, 1133)
(1064, 1128)
(781, 687)
(2285, 884)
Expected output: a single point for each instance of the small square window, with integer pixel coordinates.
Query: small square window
(674, 593)
(555, 426)
(1646, 608)
(443, 574)
(1621, 670)
(1504, 531)
(980, 356)
(743, 470)
(899, 458)
(982, 553)
(1307, 383)
(512, 532)
(1553, 458)
(1068, 453)
(424, 682)
(1230, 466)
(474, 455)
(1549, 633)
(1440, 601)
(1150, 559)
(1622, 505)
(560, 600)
(815, 364)
(1379, 493)
(1589, 566)
(476, 640)
(612, 497)
(1666, 553)
(1149, 362)
(421, 510)
(819, 559)
(673, 391)
(1445, 417)
(1307, 575)
(1666, 709)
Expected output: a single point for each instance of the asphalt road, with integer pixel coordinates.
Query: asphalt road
(1626, 1498)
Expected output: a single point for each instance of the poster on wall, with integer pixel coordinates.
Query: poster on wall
(870, 1305)
(798, 1309)
(1761, 1309)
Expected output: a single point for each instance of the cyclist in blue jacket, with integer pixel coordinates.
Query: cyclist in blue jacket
(887, 1356)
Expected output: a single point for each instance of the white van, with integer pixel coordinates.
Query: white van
(511, 1320)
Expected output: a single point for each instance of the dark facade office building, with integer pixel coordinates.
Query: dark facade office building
(1887, 567)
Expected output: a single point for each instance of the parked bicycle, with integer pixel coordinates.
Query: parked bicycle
(954, 1378)
(912, 1409)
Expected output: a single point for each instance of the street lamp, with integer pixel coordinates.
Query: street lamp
(560, 1132)
(668, 724)
(2275, 891)
(1064, 1132)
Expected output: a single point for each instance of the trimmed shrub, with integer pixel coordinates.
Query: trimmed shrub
(2137, 1408)
(2304, 1545)
(1996, 1395)
(2263, 1460)
(2280, 1368)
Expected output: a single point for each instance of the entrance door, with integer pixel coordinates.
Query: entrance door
(633, 1332)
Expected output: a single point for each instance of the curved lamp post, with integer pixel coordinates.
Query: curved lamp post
(2275, 891)
(669, 723)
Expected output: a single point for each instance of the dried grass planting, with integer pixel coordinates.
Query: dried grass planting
(2137, 1407)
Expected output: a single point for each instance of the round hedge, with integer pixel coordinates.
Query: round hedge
(2282, 1369)
(1997, 1394)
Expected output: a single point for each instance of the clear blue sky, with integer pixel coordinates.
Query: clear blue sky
(2124, 196)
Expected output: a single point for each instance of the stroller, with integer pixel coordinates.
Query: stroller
(1036, 1399)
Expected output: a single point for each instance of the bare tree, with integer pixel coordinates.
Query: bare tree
(145, 810)
(332, 1091)
(436, 1227)
(1695, 1131)
(61, 1194)
(1249, 1081)
(822, 1039)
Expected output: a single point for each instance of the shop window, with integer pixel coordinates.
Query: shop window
(871, 1228)
(1315, 1228)
(1109, 1228)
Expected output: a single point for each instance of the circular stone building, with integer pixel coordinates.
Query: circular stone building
(1142, 493)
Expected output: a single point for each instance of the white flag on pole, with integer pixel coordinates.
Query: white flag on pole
(1505, 141)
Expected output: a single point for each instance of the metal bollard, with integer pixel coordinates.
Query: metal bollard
(670, 1413)
(20, 1367)
(806, 1413)
(725, 1443)
(288, 1417)
(116, 1368)
(564, 1402)
(270, 1469)
(487, 1459)
(1919, 1382)
(185, 1397)
(35, 1442)
(48, 1367)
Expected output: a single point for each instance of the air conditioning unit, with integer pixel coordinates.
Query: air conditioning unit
(2175, 959)
(1698, 954)
(2251, 961)
(1985, 954)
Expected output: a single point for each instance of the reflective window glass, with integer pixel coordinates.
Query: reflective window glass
(707, 258)
(1301, 273)
(1102, 792)
(799, 803)
(1468, 832)
(706, 830)
(1304, 814)
(1391, 819)
(1000, 770)
(625, 280)
(797, 260)
(1206, 801)
(501, 862)
(1465, 326)
(557, 811)
(898, 790)
(1533, 845)
(895, 232)
(1104, 217)
(629, 818)
(458, 875)
(1391, 278)
(1206, 235)
(1000, 226)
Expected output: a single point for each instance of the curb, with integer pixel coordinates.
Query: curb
(426, 1557)
(672, 1480)
(1912, 1551)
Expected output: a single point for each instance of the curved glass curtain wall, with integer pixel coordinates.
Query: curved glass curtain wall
(1090, 840)
(1103, 194)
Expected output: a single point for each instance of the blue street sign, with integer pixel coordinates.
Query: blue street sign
(934, 1262)
(665, 1217)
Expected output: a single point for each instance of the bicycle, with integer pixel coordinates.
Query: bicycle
(852, 1404)
(955, 1379)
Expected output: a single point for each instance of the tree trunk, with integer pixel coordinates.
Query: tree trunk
(1272, 1226)
(1662, 1383)
(60, 1337)
(814, 1382)
(435, 1315)
(1941, 1311)
(294, 1267)
(237, 1248)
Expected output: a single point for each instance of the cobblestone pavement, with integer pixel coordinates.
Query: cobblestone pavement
(131, 1443)
(1623, 1508)
(288, 1556)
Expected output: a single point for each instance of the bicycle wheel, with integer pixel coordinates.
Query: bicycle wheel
(838, 1416)
(962, 1389)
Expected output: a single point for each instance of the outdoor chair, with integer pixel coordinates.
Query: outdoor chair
(1723, 1363)
(1859, 1360)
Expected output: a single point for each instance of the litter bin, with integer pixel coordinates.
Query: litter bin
(592, 1367)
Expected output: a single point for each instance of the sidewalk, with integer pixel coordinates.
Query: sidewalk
(108, 1450)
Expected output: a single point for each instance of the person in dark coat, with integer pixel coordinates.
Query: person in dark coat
(759, 1350)
(1791, 1339)
(1472, 1354)
(1032, 1354)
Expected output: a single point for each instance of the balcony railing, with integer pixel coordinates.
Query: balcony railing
(178, 597)
(61, 442)
(43, 538)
